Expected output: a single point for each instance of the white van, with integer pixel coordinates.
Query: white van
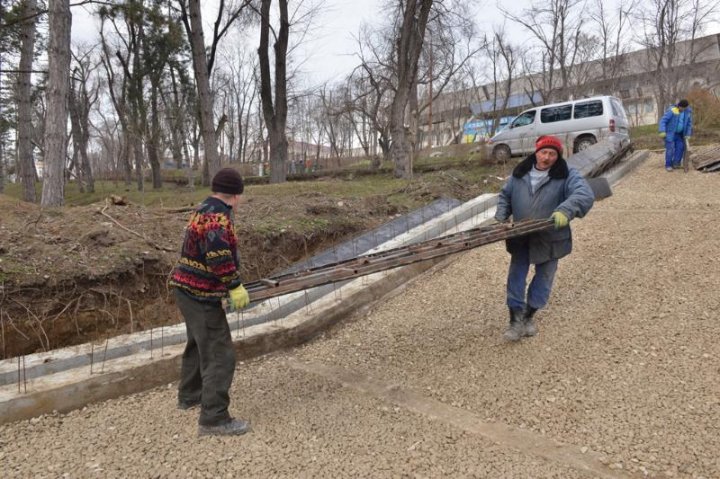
(578, 123)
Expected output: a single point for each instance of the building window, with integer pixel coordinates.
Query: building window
(624, 94)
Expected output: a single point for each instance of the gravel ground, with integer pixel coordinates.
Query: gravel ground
(625, 365)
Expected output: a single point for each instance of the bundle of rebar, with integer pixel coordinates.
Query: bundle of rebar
(392, 258)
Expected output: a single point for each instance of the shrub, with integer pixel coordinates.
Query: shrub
(706, 108)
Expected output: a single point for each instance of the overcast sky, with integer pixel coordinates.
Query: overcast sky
(331, 45)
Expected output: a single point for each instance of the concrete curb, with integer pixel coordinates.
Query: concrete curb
(63, 392)
(627, 166)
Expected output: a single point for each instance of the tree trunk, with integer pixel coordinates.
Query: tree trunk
(278, 156)
(275, 115)
(2, 166)
(59, 20)
(408, 46)
(126, 157)
(76, 134)
(154, 136)
(85, 162)
(139, 160)
(174, 119)
(202, 78)
(246, 134)
(26, 165)
(196, 151)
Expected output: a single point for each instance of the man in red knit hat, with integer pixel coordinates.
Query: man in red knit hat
(207, 272)
(541, 186)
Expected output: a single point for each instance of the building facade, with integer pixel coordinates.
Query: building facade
(474, 114)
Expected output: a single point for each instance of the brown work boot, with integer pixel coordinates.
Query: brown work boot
(516, 330)
(234, 427)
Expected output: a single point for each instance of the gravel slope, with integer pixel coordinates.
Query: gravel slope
(626, 364)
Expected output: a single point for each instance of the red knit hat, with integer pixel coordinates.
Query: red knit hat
(549, 141)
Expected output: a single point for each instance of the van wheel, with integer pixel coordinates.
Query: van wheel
(501, 153)
(584, 142)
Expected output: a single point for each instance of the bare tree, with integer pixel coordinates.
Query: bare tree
(127, 91)
(240, 100)
(557, 25)
(202, 79)
(405, 67)
(611, 30)
(451, 42)
(333, 119)
(203, 66)
(84, 92)
(274, 107)
(504, 60)
(408, 42)
(665, 24)
(60, 20)
(370, 88)
(26, 164)
(117, 86)
(175, 105)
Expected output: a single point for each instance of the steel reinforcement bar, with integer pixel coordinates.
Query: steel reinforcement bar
(392, 258)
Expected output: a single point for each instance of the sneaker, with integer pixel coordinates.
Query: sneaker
(185, 405)
(668, 168)
(234, 427)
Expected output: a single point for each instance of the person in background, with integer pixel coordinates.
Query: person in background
(541, 186)
(207, 272)
(676, 127)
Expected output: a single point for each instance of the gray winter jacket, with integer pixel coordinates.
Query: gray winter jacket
(563, 190)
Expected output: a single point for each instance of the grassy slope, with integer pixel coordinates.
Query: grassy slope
(647, 137)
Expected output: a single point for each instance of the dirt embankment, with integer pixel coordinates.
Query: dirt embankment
(77, 274)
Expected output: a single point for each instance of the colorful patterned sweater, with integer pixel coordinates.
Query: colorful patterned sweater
(208, 265)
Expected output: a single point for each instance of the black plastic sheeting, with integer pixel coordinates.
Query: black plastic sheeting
(353, 248)
(374, 238)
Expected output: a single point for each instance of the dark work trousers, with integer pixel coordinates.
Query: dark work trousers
(208, 363)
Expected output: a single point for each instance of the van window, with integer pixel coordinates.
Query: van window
(555, 113)
(588, 109)
(525, 119)
(617, 108)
